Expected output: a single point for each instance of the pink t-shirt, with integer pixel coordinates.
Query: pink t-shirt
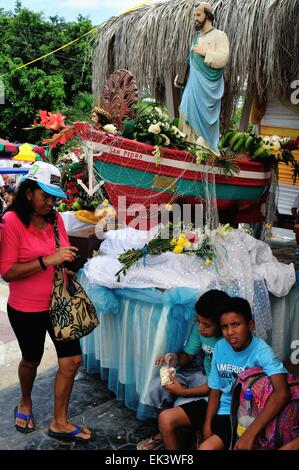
(21, 244)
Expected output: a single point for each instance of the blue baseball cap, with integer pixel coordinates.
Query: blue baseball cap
(48, 177)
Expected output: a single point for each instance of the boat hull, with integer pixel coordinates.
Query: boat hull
(133, 176)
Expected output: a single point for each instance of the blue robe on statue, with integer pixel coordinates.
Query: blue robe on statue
(201, 100)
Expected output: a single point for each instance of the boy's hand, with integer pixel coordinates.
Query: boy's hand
(245, 442)
(175, 388)
(170, 358)
(159, 361)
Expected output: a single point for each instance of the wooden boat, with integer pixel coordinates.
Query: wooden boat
(129, 169)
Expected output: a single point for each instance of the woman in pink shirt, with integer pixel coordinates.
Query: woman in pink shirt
(28, 256)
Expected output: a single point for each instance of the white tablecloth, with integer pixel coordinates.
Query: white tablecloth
(72, 223)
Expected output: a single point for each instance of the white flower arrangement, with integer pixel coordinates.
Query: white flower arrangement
(166, 140)
(110, 128)
(155, 128)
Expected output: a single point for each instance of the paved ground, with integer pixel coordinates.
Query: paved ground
(115, 427)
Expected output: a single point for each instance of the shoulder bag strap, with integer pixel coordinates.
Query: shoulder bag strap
(58, 268)
(56, 233)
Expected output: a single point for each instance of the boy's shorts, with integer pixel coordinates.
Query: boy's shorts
(222, 428)
(196, 412)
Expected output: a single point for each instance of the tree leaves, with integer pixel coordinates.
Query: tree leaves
(57, 82)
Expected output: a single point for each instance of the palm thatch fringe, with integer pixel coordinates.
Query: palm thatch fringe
(154, 40)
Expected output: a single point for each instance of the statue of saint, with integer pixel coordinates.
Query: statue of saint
(100, 117)
(201, 101)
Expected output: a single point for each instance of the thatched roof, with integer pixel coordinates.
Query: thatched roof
(153, 40)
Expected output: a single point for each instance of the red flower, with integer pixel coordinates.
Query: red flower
(69, 134)
(43, 117)
(79, 176)
(70, 184)
(55, 121)
(72, 191)
(62, 137)
(291, 145)
(192, 237)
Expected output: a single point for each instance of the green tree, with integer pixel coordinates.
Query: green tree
(58, 82)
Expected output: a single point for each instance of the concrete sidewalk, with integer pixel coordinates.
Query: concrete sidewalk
(114, 426)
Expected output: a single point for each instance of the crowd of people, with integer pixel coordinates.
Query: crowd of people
(7, 191)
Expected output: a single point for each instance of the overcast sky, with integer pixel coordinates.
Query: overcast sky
(97, 10)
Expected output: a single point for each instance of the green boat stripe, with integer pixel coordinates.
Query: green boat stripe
(142, 179)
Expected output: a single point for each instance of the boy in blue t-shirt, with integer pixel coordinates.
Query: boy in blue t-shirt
(190, 383)
(237, 351)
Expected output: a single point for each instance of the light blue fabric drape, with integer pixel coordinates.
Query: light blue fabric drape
(201, 100)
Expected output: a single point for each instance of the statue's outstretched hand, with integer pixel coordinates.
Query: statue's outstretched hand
(199, 49)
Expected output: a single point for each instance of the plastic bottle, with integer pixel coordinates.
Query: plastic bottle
(247, 412)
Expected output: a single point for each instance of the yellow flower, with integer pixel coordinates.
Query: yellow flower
(268, 225)
(223, 230)
(181, 240)
(168, 207)
(105, 202)
(173, 242)
(208, 261)
(187, 244)
(178, 249)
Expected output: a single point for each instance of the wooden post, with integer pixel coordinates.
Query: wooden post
(246, 111)
(172, 95)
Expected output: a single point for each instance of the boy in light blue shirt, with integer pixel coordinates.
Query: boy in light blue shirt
(175, 403)
(237, 351)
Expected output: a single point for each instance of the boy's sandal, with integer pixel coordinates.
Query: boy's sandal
(150, 444)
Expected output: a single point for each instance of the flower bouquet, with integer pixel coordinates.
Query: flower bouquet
(199, 242)
(154, 127)
(55, 122)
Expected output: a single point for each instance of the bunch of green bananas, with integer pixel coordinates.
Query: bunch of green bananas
(242, 141)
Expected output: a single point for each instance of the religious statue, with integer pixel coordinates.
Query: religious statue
(100, 117)
(201, 101)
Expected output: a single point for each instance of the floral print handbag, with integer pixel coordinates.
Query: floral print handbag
(71, 311)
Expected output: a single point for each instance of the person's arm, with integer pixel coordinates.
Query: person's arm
(292, 445)
(191, 348)
(277, 400)
(172, 359)
(213, 405)
(22, 270)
